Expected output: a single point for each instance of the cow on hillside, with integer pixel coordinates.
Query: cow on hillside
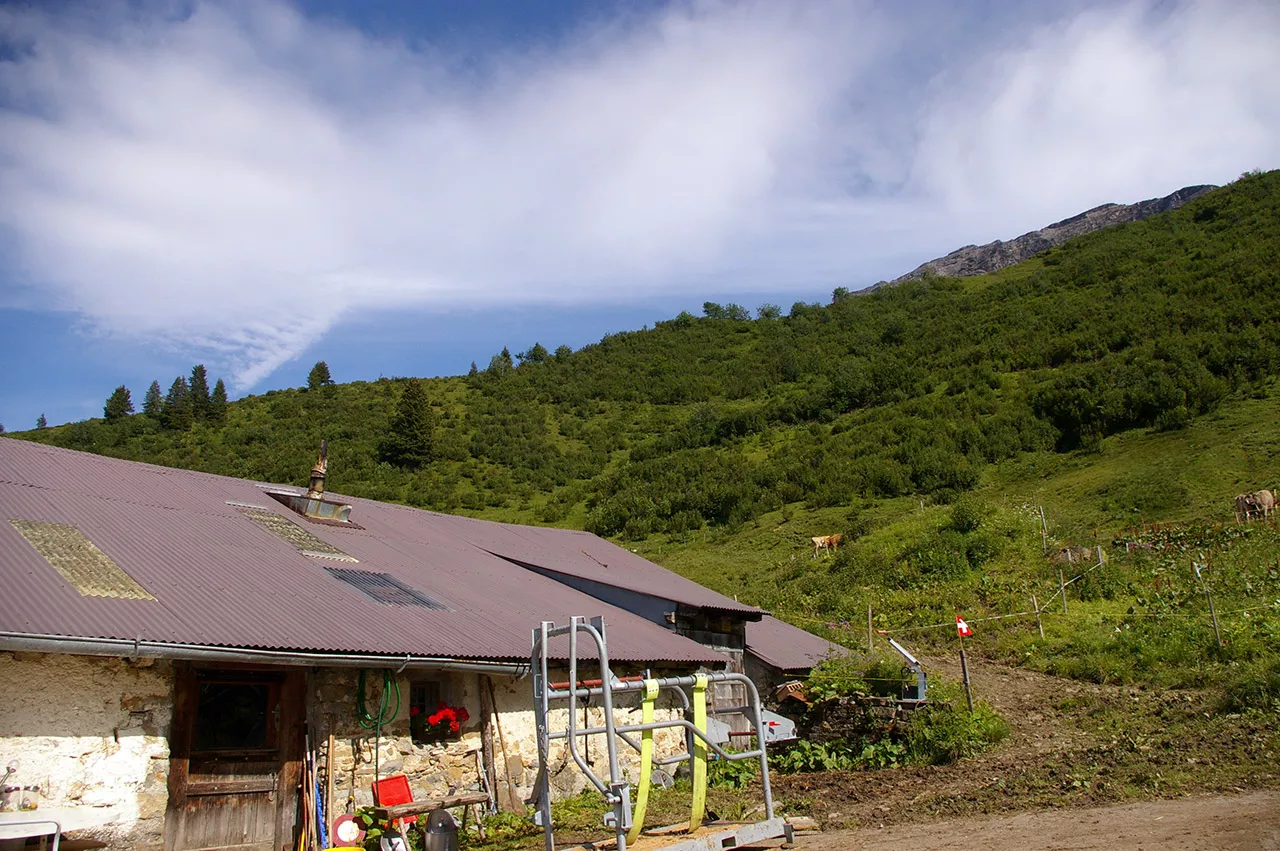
(1257, 504)
(826, 542)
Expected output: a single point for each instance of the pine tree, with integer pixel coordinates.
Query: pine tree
(199, 390)
(153, 402)
(218, 404)
(42, 422)
(119, 405)
(319, 376)
(409, 441)
(501, 363)
(178, 413)
(1, 428)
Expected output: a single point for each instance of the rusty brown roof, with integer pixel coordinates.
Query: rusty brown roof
(219, 578)
(787, 647)
(587, 556)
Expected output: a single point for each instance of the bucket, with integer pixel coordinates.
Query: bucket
(441, 833)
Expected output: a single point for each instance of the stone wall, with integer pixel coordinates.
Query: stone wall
(92, 733)
(440, 769)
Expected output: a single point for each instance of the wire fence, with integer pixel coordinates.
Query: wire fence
(1041, 608)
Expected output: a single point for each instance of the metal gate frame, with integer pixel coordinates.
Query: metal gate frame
(616, 790)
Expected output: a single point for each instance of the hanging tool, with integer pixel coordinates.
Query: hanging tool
(646, 759)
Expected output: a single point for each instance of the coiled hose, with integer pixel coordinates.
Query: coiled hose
(390, 688)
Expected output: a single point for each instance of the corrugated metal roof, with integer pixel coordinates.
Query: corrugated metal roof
(588, 556)
(221, 579)
(788, 647)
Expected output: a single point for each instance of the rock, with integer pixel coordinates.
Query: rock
(981, 259)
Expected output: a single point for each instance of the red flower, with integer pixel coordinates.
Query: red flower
(446, 720)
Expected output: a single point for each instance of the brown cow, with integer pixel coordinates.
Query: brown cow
(1244, 507)
(1257, 504)
(830, 543)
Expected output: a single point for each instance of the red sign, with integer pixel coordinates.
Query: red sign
(962, 627)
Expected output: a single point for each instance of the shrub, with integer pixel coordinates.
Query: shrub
(944, 731)
(1255, 686)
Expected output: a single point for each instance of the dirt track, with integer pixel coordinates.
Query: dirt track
(1077, 757)
(1219, 823)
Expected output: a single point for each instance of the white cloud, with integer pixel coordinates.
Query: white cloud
(239, 179)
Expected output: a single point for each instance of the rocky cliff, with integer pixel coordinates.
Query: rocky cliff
(980, 259)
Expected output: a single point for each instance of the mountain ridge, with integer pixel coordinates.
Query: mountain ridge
(983, 259)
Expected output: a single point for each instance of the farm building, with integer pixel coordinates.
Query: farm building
(172, 644)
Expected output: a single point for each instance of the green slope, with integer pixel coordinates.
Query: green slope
(1125, 378)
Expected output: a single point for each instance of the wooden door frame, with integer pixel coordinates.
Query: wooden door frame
(290, 730)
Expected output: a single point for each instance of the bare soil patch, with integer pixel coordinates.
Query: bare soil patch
(1073, 744)
(1213, 823)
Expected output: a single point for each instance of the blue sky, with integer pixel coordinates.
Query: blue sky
(400, 188)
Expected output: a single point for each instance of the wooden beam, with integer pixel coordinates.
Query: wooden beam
(416, 808)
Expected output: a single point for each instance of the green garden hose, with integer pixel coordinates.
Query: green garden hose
(390, 688)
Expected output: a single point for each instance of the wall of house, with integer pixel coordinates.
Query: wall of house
(91, 732)
(508, 748)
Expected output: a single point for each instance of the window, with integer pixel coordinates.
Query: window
(236, 712)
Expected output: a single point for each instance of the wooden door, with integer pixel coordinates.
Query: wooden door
(234, 767)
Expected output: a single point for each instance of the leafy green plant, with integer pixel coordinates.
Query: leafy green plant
(732, 774)
(944, 731)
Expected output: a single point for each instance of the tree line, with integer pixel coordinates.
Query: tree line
(186, 403)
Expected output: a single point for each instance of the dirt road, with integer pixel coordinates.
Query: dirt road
(1211, 823)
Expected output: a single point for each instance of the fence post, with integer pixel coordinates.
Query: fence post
(964, 674)
(1036, 606)
(869, 648)
(1044, 532)
(1217, 633)
(1062, 589)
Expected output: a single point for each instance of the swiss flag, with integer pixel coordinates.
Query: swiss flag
(962, 627)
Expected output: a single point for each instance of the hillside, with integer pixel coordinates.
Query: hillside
(994, 256)
(1123, 378)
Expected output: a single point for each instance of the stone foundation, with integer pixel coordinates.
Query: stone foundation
(92, 733)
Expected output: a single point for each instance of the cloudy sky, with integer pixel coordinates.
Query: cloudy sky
(401, 188)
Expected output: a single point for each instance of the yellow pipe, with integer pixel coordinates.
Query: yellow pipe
(699, 753)
(646, 760)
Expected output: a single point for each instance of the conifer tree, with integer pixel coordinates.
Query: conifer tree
(218, 403)
(119, 405)
(42, 422)
(319, 376)
(153, 402)
(1, 428)
(409, 441)
(178, 413)
(501, 363)
(199, 390)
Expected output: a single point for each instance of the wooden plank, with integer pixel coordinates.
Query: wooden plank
(419, 807)
(231, 787)
(293, 694)
(184, 712)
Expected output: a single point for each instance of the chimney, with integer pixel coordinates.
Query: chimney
(317, 472)
(314, 505)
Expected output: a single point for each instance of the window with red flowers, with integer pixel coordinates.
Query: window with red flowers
(431, 717)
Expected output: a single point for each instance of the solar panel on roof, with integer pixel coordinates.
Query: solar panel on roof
(384, 588)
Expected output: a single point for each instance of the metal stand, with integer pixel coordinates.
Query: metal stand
(616, 790)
